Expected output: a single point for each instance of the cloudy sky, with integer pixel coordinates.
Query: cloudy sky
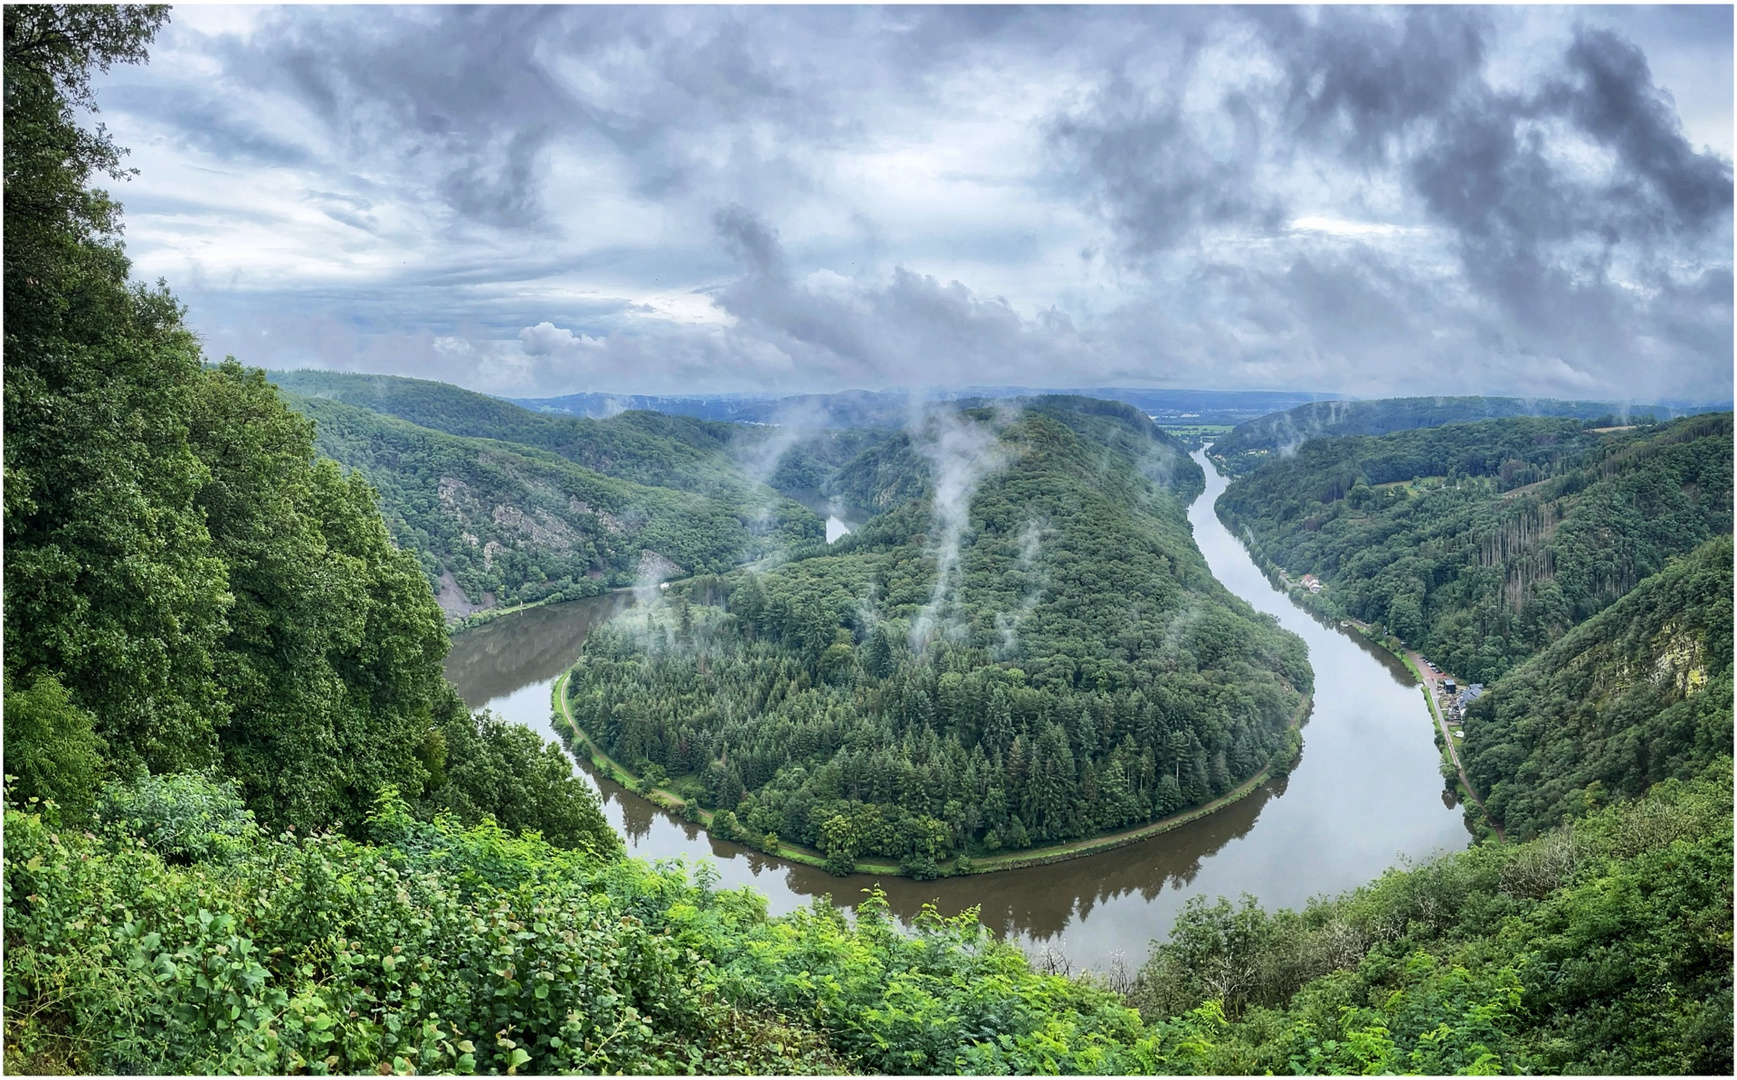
(535, 201)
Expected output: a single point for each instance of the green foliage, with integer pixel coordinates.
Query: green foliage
(808, 465)
(469, 950)
(331, 663)
(1130, 434)
(496, 523)
(1480, 544)
(881, 477)
(1082, 673)
(50, 157)
(53, 753)
(1638, 693)
(486, 767)
(1601, 948)
(647, 448)
(890, 471)
(181, 817)
(110, 581)
(187, 584)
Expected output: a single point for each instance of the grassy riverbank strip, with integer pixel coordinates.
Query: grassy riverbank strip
(575, 736)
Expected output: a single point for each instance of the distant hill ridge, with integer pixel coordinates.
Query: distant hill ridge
(1246, 445)
(891, 408)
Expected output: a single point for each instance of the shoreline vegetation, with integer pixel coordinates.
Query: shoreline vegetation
(573, 736)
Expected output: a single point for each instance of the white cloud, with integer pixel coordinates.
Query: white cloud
(523, 199)
(546, 339)
(1353, 229)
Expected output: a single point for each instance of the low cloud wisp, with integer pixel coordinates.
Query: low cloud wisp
(961, 452)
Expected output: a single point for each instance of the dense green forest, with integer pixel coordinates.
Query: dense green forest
(188, 586)
(1253, 443)
(889, 471)
(1041, 659)
(250, 828)
(1638, 693)
(495, 523)
(1480, 544)
(1604, 947)
(808, 466)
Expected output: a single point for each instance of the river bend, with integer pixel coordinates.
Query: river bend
(1367, 792)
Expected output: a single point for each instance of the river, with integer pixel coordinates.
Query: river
(1367, 792)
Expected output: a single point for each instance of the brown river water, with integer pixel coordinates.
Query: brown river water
(1366, 794)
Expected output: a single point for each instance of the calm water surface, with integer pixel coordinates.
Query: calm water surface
(1366, 793)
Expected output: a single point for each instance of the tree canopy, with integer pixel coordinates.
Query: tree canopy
(188, 585)
(1040, 659)
(1480, 544)
(1252, 443)
(1635, 695)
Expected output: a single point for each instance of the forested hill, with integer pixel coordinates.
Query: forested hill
(494, 523)
(1637, 694)
(1250, 444)
(1030, 651)
(889, 473)
(551, 506)
(1124, 432)
(647, 448)
(1480, 544)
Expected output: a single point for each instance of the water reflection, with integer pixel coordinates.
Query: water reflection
(1366, 792)
(509, 665)
(841, 519)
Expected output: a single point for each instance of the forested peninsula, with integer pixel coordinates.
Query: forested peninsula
(250, 828)
(1026, 649)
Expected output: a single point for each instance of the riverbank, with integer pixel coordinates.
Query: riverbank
(1323, 608)
(575, 737)
(488, 615)
(1450, 752)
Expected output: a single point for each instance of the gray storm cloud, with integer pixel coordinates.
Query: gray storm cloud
(544, 200)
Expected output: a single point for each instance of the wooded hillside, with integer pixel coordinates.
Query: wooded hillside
(1253, 443)
(494, 522)
(1637, 694)
(1480, 544)
(1027, 649)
